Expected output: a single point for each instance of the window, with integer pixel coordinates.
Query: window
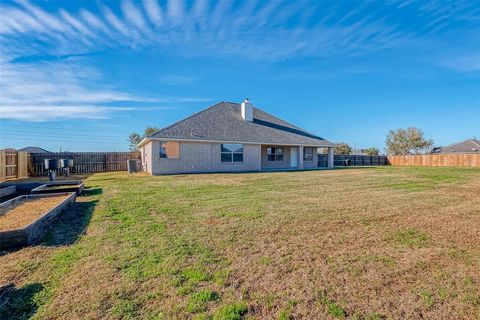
(231, 152)
(307, 154)
(169, 149)
(275, 154)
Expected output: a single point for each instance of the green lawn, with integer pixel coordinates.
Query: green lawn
(363, 243)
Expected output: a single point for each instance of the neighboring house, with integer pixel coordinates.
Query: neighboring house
(467, 146)
(34, 150)
(229, 137)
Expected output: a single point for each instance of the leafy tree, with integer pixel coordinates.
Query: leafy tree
(407, 141)
(342, 148)
(372, 151)
(135, 138)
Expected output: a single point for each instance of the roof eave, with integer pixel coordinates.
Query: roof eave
(143, 142)
(323, 144)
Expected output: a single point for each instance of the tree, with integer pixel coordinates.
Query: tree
(135, 138)
(342, 148)
(372, 151)
(407, 141)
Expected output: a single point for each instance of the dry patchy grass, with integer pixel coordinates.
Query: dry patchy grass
(365, 243)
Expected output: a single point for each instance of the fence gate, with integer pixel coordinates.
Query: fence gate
(13, 164)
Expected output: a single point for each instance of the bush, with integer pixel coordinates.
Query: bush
(372, 151)
(342, 148)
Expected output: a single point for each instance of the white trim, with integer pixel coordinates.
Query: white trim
(294, 157)
(141, 144)
(146, 140)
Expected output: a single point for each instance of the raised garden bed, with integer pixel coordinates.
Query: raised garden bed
(24, 219)
(6, 191)
(60, 186)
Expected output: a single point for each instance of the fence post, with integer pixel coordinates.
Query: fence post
(3, 168)
(22, 165)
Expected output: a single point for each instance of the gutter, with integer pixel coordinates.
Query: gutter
(143, 142)
(328, 144)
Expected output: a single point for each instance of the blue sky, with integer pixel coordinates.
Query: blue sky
(81, 75)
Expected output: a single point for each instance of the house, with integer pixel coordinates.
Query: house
(34, 150)
(231, 137)
(467, 146)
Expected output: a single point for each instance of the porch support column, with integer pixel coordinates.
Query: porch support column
(330, 158)
(300, 157)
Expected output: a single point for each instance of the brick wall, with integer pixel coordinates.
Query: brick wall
(198, 157)
(285, 164)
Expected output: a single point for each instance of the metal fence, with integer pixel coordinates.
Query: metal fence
(353, 160)
(84, 162)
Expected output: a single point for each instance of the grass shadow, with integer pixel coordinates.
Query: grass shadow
(71, 225)
(18, 303)
(92, 191)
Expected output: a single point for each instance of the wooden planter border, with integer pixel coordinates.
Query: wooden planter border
(77, 186)
(33, 232)
(6, 191)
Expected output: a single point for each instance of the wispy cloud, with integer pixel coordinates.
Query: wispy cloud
(266, 31)
(61, 112)
(54, 22)
(154, 12)
(251, 29)
(94, 22)
(115, 22)
(175, 10)
(56, 112)
(133, 15)
(57, 90)
(465, 63)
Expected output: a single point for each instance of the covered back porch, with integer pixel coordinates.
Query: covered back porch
(291, 157)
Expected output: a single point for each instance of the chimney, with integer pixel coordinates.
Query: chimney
(247, 110)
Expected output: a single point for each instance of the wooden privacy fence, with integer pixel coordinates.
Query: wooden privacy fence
(437, 160)
(353, 160)
(13, 164)
(84, 162)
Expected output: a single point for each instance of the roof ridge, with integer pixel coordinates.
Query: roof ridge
(291, 124)
(185, 119)
(271, 115)
(475, 141)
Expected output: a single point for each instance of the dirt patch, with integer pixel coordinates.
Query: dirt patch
(24, 212)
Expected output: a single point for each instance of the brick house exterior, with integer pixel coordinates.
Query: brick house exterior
(229, 137)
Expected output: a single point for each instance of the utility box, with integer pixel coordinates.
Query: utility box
(132, 166)
(66, 163)
(52, 164)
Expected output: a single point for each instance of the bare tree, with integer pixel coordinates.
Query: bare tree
(407, 141)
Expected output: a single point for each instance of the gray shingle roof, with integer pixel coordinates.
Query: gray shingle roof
(224, 122)
(34, 150)
(467, 146)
